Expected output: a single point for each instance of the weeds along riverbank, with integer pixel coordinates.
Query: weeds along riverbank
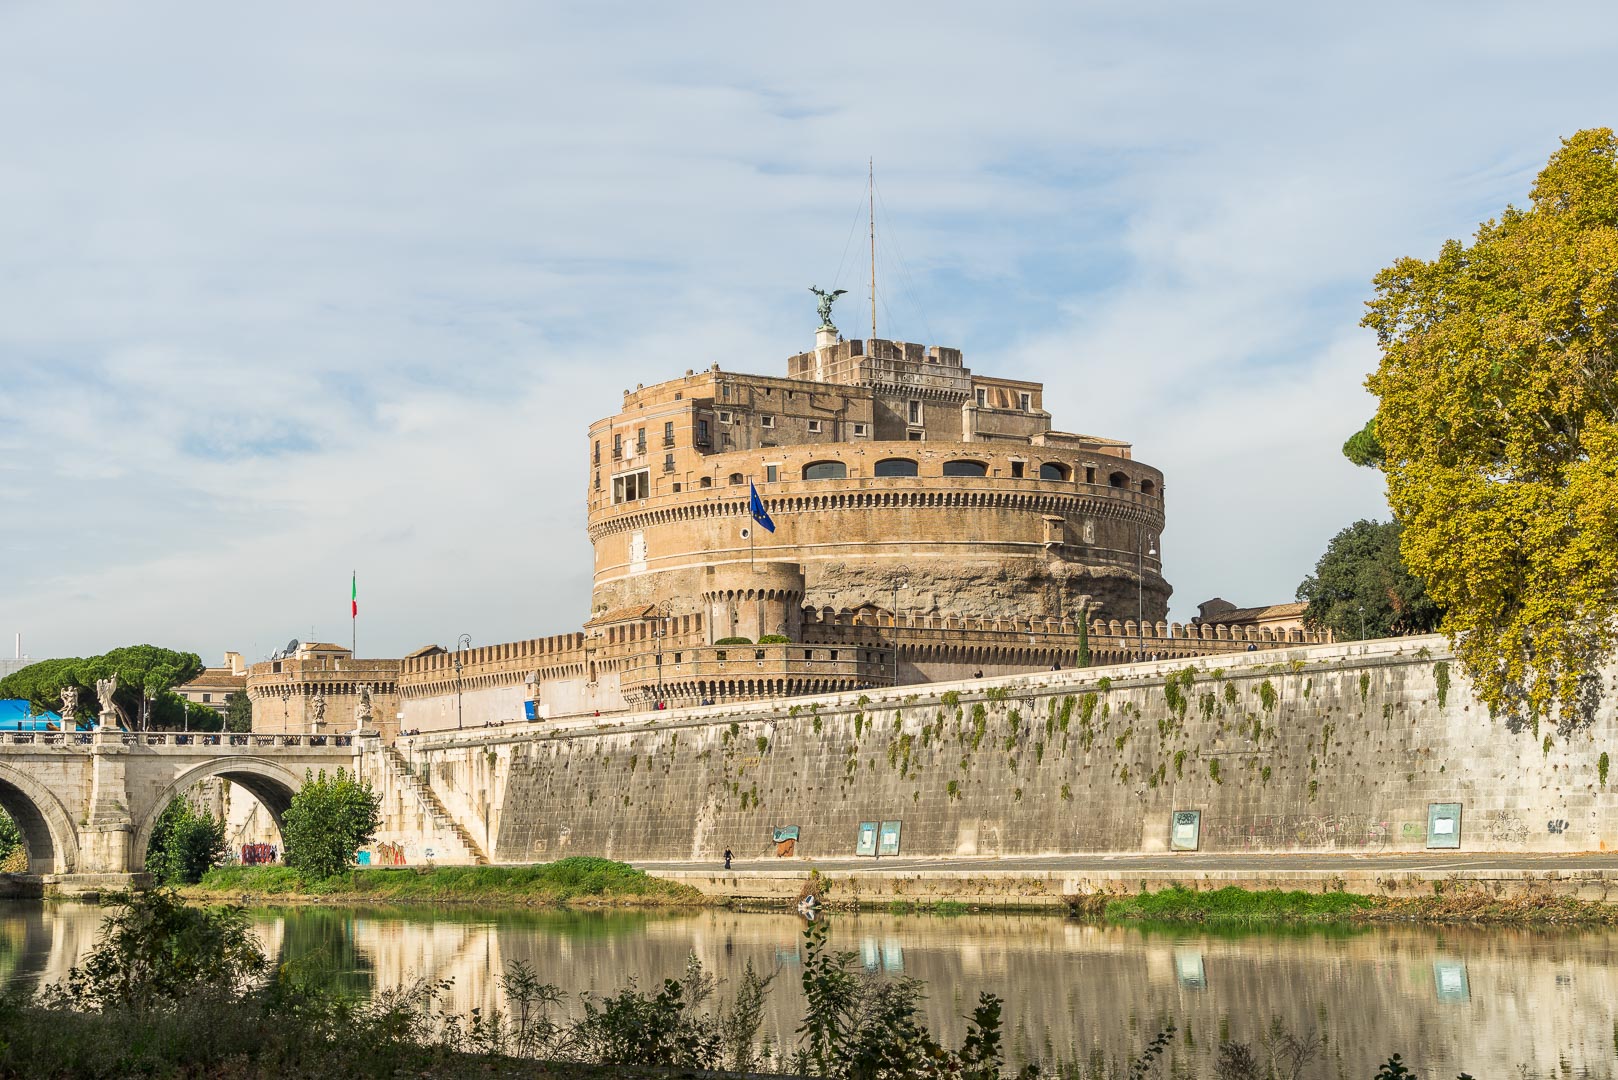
(1451, 903)
(577, 882)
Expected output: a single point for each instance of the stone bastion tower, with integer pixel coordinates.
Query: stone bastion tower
(899, 482)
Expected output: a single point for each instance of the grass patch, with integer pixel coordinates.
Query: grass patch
(1179, 904)
(578, 880)
(1456, 902)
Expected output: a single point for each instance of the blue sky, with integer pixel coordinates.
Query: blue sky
(293, 291)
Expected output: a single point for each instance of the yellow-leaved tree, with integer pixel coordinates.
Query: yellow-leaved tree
(1497, 427)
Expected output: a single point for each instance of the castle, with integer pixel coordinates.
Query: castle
(929, 524)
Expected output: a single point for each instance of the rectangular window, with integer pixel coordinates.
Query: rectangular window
(631, 487)
(1016, 470)
(207, 698)
(724, 391)
(598, 452)
(859, 431)
(617, 446)
(915, 412)
(983, 398)
(598, 479)
(814, 427)
(668, 462)
(640, 440)
(1025, 402)
(724, 418)
(703, 438)
(1089, 474)
(668, 433)
(915, 436)
(676, 488)
(772, 473)
(766, 421)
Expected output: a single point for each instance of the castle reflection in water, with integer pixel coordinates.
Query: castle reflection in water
(1446, 999)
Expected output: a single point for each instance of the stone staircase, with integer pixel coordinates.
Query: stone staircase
(441, 818)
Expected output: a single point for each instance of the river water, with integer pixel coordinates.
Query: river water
(1489, 1001)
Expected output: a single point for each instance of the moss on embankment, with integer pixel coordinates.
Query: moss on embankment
(1455, 904)
(576, 882)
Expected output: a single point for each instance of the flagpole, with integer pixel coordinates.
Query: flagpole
(353, 613)
(752, 523)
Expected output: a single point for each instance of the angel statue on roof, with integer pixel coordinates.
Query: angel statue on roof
(826, 300)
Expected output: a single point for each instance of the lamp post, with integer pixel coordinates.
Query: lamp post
(895, 642)
(1140, 591)
(659, 631)
(462, 642)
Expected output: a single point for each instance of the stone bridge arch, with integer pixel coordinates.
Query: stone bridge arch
(271, 784)
(47, 828)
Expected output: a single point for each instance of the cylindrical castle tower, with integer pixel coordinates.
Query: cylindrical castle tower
(896, 479)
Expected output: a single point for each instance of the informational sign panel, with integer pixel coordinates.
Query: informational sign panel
(1444, 825)
(785, 832)
(1185, 834)
(1449, 981)
(530, 710)
(866, 845)
(890, 839)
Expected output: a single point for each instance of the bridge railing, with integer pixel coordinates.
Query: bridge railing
(172, 738)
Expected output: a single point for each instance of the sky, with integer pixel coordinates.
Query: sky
(293, 291)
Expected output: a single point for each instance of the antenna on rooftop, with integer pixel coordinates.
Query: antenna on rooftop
(870, 192)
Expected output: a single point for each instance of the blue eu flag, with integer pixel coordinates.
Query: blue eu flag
(756, 505)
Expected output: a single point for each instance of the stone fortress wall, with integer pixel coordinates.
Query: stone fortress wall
(1333, 748)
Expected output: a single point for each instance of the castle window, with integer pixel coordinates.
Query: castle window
(825, 470)
(1089, 474)
(668, 433)
(1025, 402)
(814, 427)
(598, 452)
(772, 473)
(668, 462)
(915, 412)
(766, 421)
(1016, 470)
(724, 418)
(706, 481)
(724, 391)
(640, 440)
(598, 479)
(703, 438)
(737, 478)
(1147, 487)
(895, 466)
(206, 698)
(859, 431)
(631, 487)
(1118, 480)
(1054, 470)
(676, 488)
(983, 398)
(965, 468)
(915, 436)
(617, 447)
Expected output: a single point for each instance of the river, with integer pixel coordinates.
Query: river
(1488, 1001)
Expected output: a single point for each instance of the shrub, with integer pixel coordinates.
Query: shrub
(771, 639)
(734, 641)
(329, 819)
(185, 844)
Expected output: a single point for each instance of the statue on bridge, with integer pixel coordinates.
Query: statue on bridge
(106, 689)
(362, 711)
(319, 705)
(70, 708)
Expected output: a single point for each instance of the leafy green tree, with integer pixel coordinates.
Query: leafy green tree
(1361, 589)
(1498, 423)
(239, 716)
(329, 820)
(10, 840)
(185, 843)
(146, 673)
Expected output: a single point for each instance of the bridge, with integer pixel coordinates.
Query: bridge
(85, 802)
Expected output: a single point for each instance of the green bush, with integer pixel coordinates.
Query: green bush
(184, 844)
(734, 641)
(773, 639)
(329, 820)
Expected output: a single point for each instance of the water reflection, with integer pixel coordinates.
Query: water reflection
(1446, 1000)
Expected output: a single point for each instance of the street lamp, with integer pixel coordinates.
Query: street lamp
(895, 637)
(1140, 591)
(659, 631)
(462, 642)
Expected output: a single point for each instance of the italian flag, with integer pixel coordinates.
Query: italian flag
(354, 597)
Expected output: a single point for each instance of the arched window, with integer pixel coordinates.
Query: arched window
(707, 481)
(1118, 479)
(965, 468)
(895, 466)
(1147, 487)
(1055, 470)
(825, 470)
(737, 478)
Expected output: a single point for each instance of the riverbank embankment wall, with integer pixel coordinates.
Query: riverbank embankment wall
(1337, 748)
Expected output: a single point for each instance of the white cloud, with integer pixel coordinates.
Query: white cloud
(290, 292)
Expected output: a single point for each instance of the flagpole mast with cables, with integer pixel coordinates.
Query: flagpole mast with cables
(870, 192)
(353, 611)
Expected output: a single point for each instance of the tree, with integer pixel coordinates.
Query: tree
(185, 844)
(1498, 423)
(239, 716)
(1361, 589)
(329, 820)
(146, 673)
(13, 858)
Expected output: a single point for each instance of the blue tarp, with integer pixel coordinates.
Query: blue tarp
(14, 716)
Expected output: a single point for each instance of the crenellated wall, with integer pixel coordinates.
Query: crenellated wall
(1311, 748)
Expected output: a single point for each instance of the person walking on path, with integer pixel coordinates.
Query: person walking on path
(728, 857)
